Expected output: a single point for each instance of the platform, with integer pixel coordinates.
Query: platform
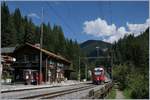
(19, 87)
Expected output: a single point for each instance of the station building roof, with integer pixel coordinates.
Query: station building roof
(7, 50)
(50, 54)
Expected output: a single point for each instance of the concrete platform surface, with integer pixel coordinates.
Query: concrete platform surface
(13, 87)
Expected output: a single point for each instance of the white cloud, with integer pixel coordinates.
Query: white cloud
(136, 29)
(100, 28)
(120, 32)
(34, 15)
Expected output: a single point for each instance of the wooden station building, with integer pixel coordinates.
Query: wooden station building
(27, 65)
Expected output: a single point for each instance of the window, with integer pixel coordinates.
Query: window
(97, 73)
(19, 58)
(25, 58)
(36, 58)
(60, 65)
(51, 62)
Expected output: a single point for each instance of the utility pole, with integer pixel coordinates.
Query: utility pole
(79, 70)
(46, 71)
(111, 64)
(1, 66)
(41, 43)
(97, 48)
(1, 74)
(86, 71)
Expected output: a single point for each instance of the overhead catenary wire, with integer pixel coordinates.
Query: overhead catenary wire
(70, 15)
(110, 12)
(61, 18)
(100, 8)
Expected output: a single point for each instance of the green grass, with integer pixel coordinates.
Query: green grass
(127, 93)
(111, 94)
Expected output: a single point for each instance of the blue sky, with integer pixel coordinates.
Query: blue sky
(82, 21)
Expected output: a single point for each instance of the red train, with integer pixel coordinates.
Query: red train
(98, 75)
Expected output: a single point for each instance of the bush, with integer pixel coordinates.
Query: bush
(139, 86)
(120, 73)
(127, 93)
(135, 80)
(111, 94)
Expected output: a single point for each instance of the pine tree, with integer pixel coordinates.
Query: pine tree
(8, 32)
(29, 31)
(56, 40)
(50, 41)
(61, 44)
(18, 25)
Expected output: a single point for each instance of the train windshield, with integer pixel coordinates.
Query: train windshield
(98, 72)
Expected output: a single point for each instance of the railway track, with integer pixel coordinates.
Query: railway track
(34, 88)
(26, 89)
(51, 95)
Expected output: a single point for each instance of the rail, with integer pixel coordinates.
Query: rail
(58, 93)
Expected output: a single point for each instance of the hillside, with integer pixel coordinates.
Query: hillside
(131, 65)
(89, 47)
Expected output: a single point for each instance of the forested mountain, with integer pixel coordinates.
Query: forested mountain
(132, 49)
(89, 47)
(18, 29)
(131, 65)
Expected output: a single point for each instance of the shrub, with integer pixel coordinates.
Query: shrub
(120, 73)
(139, 86)
(132, 78)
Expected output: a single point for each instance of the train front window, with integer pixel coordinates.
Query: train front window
(97, 72)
